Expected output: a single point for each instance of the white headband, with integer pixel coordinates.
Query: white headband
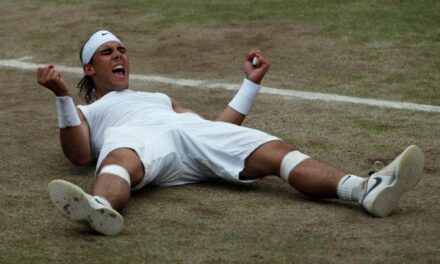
(94, 42)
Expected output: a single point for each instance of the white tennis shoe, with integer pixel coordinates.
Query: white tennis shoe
(384, 188)
(75, 204)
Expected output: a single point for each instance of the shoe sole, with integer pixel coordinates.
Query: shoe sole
(73, 203)
(408, 175)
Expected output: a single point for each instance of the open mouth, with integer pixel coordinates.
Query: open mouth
(119, 71)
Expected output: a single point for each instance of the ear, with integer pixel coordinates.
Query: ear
(88, 69)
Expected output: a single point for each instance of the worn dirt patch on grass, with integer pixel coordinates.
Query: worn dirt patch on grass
(264, 222)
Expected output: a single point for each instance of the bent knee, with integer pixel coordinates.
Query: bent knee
(266, 160)
(128, 159)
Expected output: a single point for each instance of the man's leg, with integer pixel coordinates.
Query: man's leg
(114, 188)
(310, 177)
(111, 191)
(379, 194)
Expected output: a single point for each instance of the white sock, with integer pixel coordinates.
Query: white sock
(351, 187)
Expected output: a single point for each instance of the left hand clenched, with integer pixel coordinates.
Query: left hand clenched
(255, 73)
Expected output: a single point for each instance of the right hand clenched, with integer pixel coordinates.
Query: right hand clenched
(51, 79)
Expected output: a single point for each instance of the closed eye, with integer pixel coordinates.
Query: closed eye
(107, 51)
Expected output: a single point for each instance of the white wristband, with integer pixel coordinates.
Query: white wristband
(244, 99)
(66, 111)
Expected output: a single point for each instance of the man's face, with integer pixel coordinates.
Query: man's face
(109, 69)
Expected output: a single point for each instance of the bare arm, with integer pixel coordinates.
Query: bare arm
(230, 115)
(75, 140)
(254, 73)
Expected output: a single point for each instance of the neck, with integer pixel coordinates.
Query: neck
(101, 93)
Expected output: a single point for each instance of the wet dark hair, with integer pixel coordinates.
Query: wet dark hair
(87, 89)
(86, 86)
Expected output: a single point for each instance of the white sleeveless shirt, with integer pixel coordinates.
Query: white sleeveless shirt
(124, 108)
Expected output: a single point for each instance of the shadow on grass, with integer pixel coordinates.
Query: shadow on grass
(266, 186)
(270, 187)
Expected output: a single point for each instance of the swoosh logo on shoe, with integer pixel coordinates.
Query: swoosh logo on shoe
(378, 181)
(98, 201)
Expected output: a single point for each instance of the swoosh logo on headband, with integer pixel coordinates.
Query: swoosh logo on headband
(103, 34)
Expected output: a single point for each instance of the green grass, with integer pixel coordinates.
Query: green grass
(264, 222)
(403, 22)
(377, 49)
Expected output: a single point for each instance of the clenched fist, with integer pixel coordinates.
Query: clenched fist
(51, 79)
(255, 73)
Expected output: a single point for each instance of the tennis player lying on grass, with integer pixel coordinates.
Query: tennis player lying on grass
(141, 138)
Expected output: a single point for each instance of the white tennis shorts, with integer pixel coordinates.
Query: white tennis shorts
(188, 149)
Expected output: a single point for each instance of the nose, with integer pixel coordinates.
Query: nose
(116, 54)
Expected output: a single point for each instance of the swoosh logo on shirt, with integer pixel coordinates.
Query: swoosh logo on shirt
(378, 181)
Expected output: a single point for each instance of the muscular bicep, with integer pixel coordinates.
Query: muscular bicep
(85, 130)
(75, 142)
(229, 115)
(232, 116)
